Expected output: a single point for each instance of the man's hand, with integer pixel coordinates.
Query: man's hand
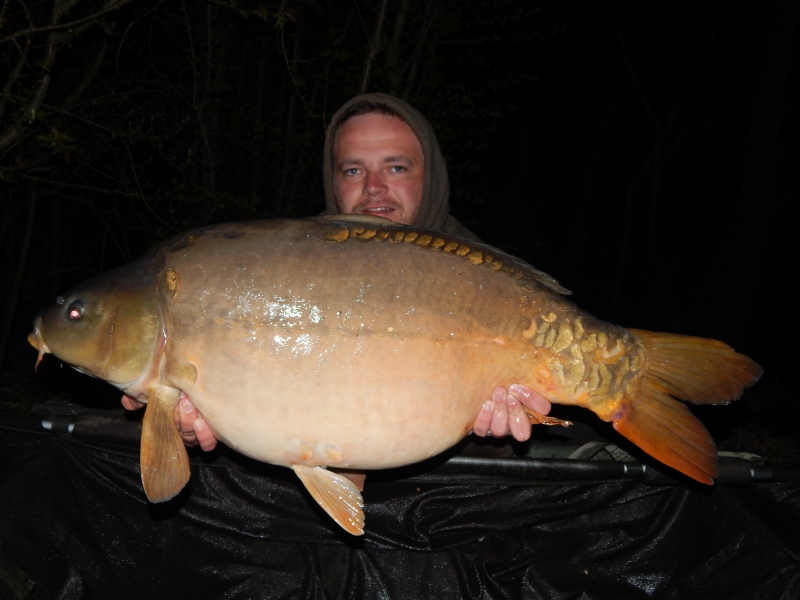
(503, 413)
(193, 428)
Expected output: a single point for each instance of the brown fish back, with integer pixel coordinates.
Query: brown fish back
(340, 228)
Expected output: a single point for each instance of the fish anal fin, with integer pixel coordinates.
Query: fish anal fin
(357, 477)
(667, 430)
(163, 458)
(338, 495)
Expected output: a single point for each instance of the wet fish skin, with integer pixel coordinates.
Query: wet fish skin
(355, 343)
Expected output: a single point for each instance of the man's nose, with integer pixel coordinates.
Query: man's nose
(374, 184)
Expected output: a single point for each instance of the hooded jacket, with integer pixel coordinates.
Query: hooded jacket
(434, 211)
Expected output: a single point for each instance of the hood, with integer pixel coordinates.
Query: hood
(434, 211)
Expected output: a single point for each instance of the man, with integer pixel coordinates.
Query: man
(382, 158)
(374, 128)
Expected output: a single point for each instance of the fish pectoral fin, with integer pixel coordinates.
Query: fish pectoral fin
(357, 477)
(338, 495)
(163, 458)
(539, 419)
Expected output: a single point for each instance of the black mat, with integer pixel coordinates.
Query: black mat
(74, 523)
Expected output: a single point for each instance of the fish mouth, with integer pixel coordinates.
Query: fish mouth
(35, 340)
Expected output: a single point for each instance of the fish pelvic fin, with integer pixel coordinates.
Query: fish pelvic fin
(357, 477)
(163, 458)
(338, 495)
(696, 370)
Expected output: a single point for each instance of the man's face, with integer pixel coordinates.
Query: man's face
(379, 168)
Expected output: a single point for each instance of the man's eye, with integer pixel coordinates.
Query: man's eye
(351, 172)
(398, 169)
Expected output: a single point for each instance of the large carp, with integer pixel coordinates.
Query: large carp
(354, 343)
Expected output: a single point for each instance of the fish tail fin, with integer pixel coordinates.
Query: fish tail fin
(668, 431)
(697, 370)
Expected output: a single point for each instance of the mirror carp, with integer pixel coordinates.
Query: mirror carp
(340, 344)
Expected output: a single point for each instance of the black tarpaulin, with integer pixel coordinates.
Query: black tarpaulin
(74, 523)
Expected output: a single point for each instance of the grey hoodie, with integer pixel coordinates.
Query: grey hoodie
(434, 211)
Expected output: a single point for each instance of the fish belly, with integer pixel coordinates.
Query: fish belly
(302, 351)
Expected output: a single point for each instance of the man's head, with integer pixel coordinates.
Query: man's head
(378, 164)
(382, 158)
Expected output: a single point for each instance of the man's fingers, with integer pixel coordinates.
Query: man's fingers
(499, 426)
(530, 398)
(193, 427)
(185, 415)
(504, 413)
(205, 437)
(484, 420)
(518, 423)
(131, 404)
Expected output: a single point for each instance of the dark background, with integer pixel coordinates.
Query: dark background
(645, 154)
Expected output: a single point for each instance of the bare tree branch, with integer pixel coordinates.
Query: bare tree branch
(393, 50)
(115, 5)
(375, 46)
(12, 77)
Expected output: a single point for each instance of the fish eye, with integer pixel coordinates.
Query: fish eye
(76, 308)
(60, 300)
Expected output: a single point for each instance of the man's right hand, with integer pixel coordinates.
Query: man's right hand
(193, 428)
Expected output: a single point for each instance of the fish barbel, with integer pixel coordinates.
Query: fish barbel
(330, 345)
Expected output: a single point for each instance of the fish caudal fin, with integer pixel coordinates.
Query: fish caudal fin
(667, 430)
(163, 458)
(697, 370)
(337, 494)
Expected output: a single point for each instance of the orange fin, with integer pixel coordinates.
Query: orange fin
(697, 370)
(667, 430)
(539, 419)
(336, 494)
(163, 459)
(694, 369)
(357, 477)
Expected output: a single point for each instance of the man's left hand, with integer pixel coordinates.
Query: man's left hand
(503, 413)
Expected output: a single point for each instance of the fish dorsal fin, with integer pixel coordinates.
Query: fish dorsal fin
(163, 459)
(356, 218)
(337, 495)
